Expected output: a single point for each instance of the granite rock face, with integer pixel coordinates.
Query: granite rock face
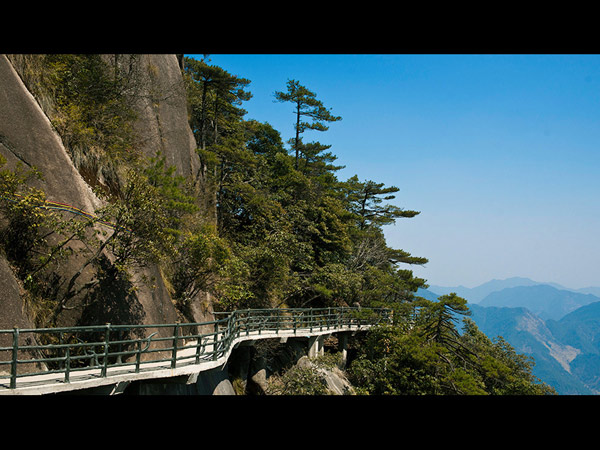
(162, 124)
(27, 136)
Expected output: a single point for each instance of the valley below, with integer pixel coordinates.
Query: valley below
(558, 327)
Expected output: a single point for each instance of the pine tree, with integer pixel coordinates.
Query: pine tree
(306, 106)
(214, 97)
(365, 200)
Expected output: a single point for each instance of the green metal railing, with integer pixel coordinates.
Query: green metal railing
(67, 351)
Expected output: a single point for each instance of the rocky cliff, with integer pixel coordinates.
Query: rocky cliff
(27, 136)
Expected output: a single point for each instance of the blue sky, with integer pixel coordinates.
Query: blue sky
(500, 153)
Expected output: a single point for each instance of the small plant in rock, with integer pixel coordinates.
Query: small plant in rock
(328, 360)
(297, 381)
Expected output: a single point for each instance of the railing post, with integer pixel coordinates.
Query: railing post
(60, 342)
(120, 346)
(138, 356)
(175, 339)
(216, 335)
(321, 323)
(198, 347)
(261, 322)
(68, 364)
(15, 353)
(106, 341)
(231, 328)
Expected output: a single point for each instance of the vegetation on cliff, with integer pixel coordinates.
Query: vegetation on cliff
(259, 225)
(300, 237)
(424, 354)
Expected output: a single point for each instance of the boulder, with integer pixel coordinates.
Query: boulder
(333, 378)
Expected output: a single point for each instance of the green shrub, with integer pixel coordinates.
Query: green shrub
(297, 381)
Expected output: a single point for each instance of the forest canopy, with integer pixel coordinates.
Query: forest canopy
(300, 236)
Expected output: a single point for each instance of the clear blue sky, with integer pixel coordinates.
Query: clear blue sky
(500, 153)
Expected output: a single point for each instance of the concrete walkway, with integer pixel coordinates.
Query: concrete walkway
(118, 377)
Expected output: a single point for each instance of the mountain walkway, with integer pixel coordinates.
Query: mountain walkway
(53, 360)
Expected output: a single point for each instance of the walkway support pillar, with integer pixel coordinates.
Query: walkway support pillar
(343, 347)
(315, 346)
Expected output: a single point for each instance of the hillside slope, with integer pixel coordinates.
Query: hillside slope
(556, 360)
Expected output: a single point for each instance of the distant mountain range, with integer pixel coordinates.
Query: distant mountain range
(557, 326)
(478, 293)
(544, 300)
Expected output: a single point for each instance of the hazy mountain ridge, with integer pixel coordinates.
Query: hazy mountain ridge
(546, 301)
(478, 293)
(557, 326)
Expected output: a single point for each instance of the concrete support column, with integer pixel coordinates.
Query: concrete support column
(315, 346)
(343, 347)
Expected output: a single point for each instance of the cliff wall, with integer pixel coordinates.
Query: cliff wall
(27, 136)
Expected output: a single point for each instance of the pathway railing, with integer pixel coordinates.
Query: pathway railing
(67, 351)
